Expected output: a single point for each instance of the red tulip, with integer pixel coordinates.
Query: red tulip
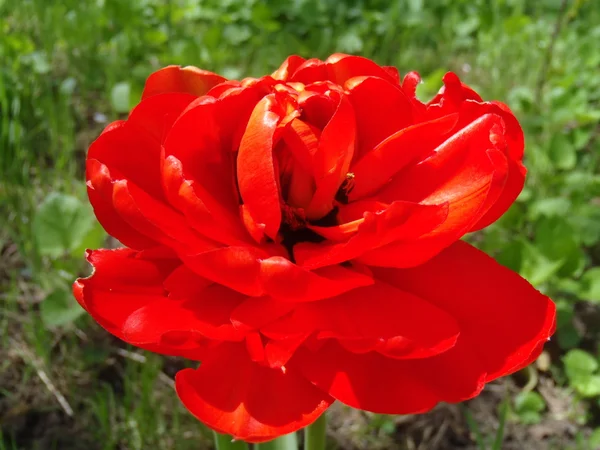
(299, 234)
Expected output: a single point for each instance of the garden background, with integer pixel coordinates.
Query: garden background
(69, 67)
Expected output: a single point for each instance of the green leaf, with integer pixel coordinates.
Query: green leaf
(94, 238)
(579, 363)
(60, 224)
(529, 402)
(120, 97)
(587, 386)
(557, 206)
(350, 42)
(594, 440)
(556, 239)
(60, 308)
(590, 282)
(562, 152)
(568, 336)
(536, 267)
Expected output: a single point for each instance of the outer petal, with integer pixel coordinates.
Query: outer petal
(100, 193)
(205, 314)
(253, 272)
(133, 147)
(499, 313)
(461, 174)
(233, 395)
(131, 150)
(156, 219)
(405, 147)
(341, 67)
(195, 142)
(392, 322)
(188, 79)
(373, 382)
(125, 282)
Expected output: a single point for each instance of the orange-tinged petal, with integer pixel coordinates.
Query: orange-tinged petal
(333, 158)
(288, 68)
(341, 67)
(256, 171)
(190, 80)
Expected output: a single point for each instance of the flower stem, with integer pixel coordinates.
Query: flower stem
(225, 442)
(286, 442)
(314, 434)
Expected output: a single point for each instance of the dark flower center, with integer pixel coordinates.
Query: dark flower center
(294, 229)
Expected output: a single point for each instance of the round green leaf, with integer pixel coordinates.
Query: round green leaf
(59, 309)
(60, 224)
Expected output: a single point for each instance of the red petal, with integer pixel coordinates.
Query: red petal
(373, 382)
(155, 219)
(460, 174)
(317, 108)
(393, 72)
(288, 282)
(333, 158)
(188, 79)
(256, 172)
(257, 312)
(235, 267)
(310, 71)
(500, 314)
(183, 282)
(302, 140)
(340, 68)
(400, 149)
(207, 314)
(219, 223)
(401, 221)
(132, 152)
(233, 395)
(389, 314)
(252, 272)
(121, 284)
(512, 188)
(381, 109)
(287, 69)
(202, 156)
(453, 93)
(156, 115)
(100, 193)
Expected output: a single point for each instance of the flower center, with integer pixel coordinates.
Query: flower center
(294, 228)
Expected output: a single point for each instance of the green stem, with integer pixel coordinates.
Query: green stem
(226, 442)
(314, 434)
(287, 442)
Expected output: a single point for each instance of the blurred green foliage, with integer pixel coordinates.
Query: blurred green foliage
(68, 67)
